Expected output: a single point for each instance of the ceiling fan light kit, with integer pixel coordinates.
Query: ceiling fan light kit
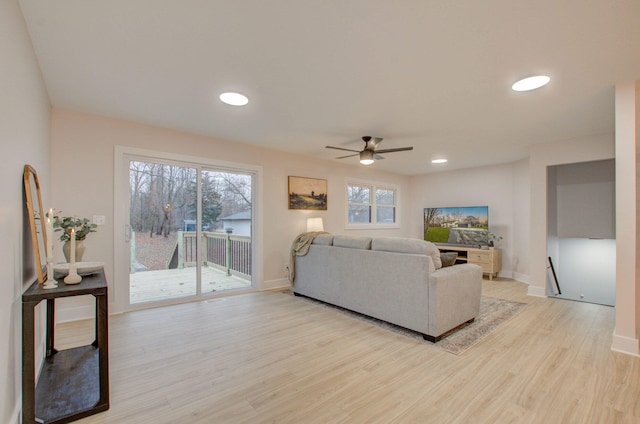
(369, 154)
(366, 157)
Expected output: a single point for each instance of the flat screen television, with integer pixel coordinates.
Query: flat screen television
(460, 225)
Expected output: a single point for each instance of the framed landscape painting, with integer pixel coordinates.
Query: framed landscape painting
(307, 193)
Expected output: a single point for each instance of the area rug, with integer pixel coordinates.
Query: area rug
(493, 312)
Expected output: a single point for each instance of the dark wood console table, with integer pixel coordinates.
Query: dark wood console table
(73, 383)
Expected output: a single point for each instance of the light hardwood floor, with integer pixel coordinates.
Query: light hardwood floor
(272, 358)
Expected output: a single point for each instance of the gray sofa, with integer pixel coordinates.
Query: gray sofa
(398, 280)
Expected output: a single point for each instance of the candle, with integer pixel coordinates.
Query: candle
(72, 277)
(49, 232)
(72, 254)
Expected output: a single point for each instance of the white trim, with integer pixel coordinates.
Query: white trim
(119, 289)
(374, 186)
(625, 345)
(536, 291)
(505, 274)
(279, 283)
(523, 278)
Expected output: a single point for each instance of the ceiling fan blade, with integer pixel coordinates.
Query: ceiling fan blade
(342, 148)
(378, 157)
(399, 149)
(348, 156)
(375, 141)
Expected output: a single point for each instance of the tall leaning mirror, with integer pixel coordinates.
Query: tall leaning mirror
(35, 210)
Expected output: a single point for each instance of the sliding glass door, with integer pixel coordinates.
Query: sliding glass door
(189, 230)
(226, 230)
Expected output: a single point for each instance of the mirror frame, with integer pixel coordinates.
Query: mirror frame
(31, 176)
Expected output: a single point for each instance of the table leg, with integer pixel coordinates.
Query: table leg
(28, 364)
(51, 325)
(102, 334)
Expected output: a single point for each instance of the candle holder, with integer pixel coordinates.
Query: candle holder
(51, 283)
(72, 277)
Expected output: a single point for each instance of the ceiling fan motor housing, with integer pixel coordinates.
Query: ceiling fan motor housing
(370, 152)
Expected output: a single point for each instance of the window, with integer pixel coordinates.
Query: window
(370, 204)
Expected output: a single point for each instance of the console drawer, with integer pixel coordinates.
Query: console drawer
(480, 257)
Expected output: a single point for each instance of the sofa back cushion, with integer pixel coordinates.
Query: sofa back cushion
(352, 242)
(323, 240)
(408, 245)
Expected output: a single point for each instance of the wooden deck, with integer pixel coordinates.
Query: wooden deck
(150, 286)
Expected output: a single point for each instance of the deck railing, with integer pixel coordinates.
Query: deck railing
(228, 252)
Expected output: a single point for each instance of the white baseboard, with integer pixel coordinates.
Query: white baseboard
(280, 283)
(625, 345)
(523, 278)
(536, 291)
(505, 274)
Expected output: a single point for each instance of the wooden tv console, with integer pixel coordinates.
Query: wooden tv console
(489, 259)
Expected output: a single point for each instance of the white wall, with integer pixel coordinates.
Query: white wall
(522, 221)
(625, 336)
(83, 172)
(586, 269)
(586, 199)
(24, 137)
(500, 187)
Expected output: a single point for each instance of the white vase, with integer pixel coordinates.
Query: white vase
(66, 249)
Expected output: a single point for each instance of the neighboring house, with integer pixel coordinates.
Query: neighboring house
(238, 223)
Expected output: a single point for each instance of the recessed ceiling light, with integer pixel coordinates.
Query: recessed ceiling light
(439, 161)
(530, 83)
(234, 99)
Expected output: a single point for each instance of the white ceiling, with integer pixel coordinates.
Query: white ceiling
(427, 73)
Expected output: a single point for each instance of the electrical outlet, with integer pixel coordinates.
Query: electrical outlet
(99, 219)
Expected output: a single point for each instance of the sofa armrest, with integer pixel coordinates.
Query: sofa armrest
(454, 296)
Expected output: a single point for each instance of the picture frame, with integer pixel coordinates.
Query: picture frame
(307, 193)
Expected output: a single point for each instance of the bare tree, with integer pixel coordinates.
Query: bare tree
(429, 214)
(164, 196)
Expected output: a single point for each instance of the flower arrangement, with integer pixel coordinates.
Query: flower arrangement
(82, 225)
(493, 239)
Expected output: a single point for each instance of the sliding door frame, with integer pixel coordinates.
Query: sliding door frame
(121, 252)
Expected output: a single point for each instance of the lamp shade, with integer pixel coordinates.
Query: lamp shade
(314, 224)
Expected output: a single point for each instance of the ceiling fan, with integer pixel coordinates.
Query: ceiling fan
(369, 153)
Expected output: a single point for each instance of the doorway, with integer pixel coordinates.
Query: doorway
(188, 230)
(581, 245)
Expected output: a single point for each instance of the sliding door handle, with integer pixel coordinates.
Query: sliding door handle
(127, 233)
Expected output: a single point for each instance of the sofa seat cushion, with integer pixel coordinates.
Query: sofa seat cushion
(408, 245)
(352, 242)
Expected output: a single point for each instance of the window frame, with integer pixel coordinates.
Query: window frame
(373, 187)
